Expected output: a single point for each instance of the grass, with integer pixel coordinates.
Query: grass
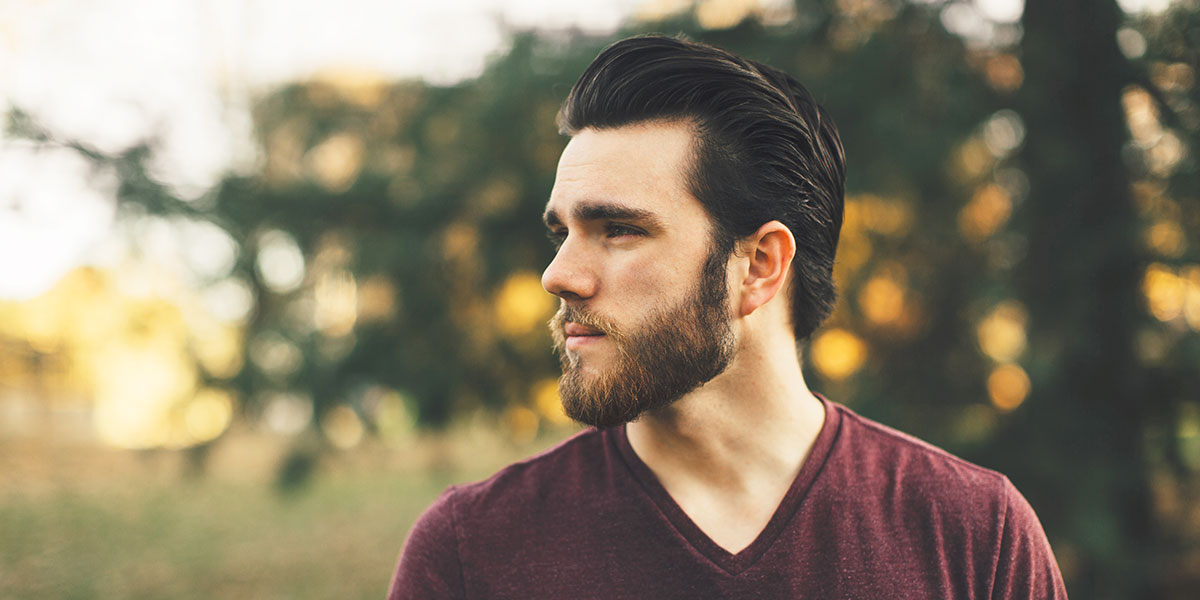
(123, 525)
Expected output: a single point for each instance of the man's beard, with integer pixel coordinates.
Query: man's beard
(676, 351)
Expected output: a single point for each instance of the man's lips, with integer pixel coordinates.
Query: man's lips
(575, 329)
(580, 335)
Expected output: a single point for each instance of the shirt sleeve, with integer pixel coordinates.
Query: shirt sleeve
(1025, 568)
(429, 566)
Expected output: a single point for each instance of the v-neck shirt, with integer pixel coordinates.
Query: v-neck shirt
(686, 527)
(872, 513)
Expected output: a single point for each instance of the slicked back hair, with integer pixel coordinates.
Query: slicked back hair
(765, 150)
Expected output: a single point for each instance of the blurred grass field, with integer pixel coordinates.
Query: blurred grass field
(82, 521)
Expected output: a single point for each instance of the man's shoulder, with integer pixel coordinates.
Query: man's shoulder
(874, 442)
(470, 525)
(874, 456)
(921, 498)
(535, 483)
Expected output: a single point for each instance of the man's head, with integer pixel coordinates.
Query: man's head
(680, 153)
(765, 149)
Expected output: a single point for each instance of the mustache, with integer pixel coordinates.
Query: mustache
(568, 313)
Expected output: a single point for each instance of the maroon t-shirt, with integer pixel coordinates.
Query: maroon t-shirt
(873, 513)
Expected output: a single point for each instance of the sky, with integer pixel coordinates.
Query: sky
(113, 72)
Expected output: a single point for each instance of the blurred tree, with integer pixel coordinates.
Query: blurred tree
(1080, 280)
(1108, 378)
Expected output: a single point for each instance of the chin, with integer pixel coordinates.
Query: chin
(590, 362)
(589, 375)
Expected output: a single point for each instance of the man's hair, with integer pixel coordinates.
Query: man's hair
(764, 149)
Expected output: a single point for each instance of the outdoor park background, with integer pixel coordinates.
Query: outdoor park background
(238, 356)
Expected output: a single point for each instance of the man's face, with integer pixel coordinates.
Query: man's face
(644, 316)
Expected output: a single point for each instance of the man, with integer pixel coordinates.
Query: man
(696, 212)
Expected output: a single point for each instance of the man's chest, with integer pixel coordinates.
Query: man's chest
(635, 553)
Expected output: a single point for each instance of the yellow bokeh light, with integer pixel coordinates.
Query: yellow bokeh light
(1008, 386)
(854, 247)
(130, 344)
(1191, 305)
(723, 14)
(1165, 154)
(376, 299)
(868, 212)
(973, 159)
(988, 210)
(1141, 116)
(886, 216)
(1165, 292)
(853, 215)
(1001, 333)
(342, 427)
(137, 383)
(1173, 77)
(218, 349)
(659, 10)
(336, 303)
(522, 304)
(363, 87)
(336, 162)
(838, 353)
(521, 424)
(39, 326)
(81, 309)
(208, 414)
(882, 299)
(548, 403)
(854, 250)
(1166, 238)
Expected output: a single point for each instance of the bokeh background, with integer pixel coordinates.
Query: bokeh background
(269, 271)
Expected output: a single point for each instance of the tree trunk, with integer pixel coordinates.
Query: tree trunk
(1080, 280)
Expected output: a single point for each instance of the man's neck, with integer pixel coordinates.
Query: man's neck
(729, 451)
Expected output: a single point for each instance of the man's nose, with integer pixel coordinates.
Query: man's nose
(570, 275)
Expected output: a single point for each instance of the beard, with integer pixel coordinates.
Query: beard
(677, 350)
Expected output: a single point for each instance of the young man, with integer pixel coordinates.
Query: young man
(696, 212)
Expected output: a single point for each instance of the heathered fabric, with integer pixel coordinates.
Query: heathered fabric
(872, 514)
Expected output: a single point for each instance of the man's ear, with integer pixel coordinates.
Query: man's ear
(769, 251)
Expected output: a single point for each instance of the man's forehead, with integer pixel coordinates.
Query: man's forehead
(633, 171)
(658, 144)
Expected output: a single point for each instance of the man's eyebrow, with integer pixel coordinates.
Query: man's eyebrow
(602, 211)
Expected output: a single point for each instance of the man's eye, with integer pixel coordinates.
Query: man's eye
(615, 230)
